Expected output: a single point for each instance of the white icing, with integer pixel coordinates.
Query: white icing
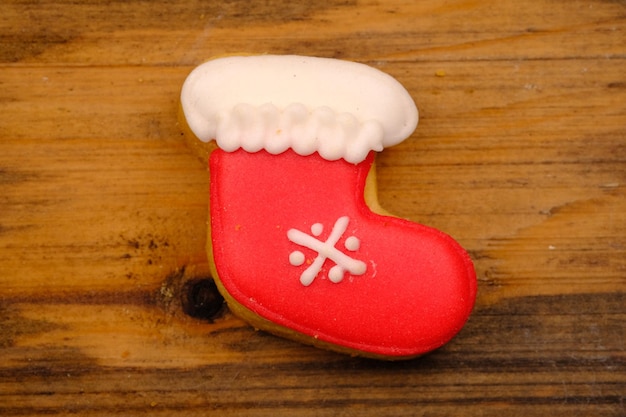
(327, 250)
(336, 274)
(317, 229)
(352, 243)
(339, 109)
(296, 258)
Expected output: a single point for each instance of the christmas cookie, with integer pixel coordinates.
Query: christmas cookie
(298, 243)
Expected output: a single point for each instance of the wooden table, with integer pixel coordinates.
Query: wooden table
(520, 155)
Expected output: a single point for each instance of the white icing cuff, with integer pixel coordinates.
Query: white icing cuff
(339, 109)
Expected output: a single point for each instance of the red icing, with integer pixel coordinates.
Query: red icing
(419, 286)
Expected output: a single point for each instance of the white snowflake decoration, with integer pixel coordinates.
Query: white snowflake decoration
(326, 250)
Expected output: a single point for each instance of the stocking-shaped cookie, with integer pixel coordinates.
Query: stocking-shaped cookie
(296, 241)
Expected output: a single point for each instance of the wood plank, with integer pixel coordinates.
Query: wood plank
(509, 360)
(101, 33)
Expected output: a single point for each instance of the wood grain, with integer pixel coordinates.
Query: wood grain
(520, 154)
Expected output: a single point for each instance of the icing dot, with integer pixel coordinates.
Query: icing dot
(336, 274)
(296, 258)
(353, 243)
(317, 229)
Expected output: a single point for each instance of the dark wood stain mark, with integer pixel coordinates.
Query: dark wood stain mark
(11, 177)
(13, 326)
